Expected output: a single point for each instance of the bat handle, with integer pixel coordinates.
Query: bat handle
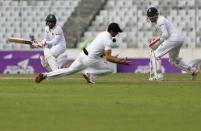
(28, 42)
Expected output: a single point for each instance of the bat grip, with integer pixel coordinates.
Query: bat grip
(28, 42)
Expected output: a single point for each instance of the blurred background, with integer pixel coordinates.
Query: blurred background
(83, 19)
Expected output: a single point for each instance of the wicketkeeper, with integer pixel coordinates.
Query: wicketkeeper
(169, 42)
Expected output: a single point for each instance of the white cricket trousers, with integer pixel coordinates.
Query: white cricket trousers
(82, 62)
(172, 46)
(57, 50)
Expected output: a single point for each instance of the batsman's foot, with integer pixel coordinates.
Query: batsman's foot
(39, 78)
(88, 78)
(195, 74)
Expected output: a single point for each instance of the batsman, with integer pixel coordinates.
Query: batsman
(170, 41)
(54, 45)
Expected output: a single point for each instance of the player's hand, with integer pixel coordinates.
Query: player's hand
(116, 56)
(37, 44)
(154, 43)
(125, 61)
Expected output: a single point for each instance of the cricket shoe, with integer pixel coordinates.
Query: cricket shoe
(88, 77)
(40, 77)
(158, 77)
(195, 74)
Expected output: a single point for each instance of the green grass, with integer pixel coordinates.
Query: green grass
(117, 102)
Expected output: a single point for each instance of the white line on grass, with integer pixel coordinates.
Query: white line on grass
(104, 80)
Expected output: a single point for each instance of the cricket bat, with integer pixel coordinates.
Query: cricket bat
(18, 40)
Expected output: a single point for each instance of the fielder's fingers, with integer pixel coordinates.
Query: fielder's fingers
(130, 62)
(116, 56)
(124, 59)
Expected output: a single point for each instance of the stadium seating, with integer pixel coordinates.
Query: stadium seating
(27, 17)
(131, 15)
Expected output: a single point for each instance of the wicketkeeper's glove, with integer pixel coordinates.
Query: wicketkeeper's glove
(154, 43)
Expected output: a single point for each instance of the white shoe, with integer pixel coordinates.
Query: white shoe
(88, 77)
(158, 77)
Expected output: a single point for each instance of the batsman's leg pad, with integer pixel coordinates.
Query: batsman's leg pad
(44, 63)
(155, 63)
(51, 60)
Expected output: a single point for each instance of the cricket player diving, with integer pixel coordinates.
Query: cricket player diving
(54, 45)
(92, 57)
(170, 41)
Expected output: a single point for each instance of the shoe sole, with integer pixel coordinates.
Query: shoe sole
(87, 79)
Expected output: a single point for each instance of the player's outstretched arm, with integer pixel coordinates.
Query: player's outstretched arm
(115, 59)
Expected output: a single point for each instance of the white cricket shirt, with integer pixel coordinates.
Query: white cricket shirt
(166, 28)
(54, 36)
(102, 42)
